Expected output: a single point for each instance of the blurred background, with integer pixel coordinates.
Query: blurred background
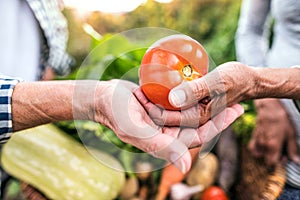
(211, 22)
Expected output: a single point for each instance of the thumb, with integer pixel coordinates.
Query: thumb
(188, 93)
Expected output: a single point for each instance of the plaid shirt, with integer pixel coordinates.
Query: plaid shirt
(54, 28)
(6, 89)
(55, 34)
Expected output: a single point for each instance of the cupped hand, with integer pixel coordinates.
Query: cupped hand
(273, 133)
(192, 134)
(117, 107)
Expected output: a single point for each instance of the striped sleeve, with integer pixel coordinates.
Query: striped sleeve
(6, 89)
(55, 31)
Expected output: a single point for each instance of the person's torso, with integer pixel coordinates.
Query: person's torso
(20, 40)
(285, 50)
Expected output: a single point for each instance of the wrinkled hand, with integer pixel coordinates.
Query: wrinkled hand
(189, 134)
(225, 86)
(118, 108)
(273, 131)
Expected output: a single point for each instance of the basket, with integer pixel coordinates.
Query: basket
(256, 181)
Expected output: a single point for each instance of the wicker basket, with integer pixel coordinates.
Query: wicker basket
(256, 181)
(31, 193)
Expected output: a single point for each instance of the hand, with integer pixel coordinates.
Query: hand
(191, 137)
(234, 82)
(119, 109)
(225, 86)
(273, 131)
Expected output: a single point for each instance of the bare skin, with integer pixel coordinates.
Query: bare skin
(117, 105)
(234, 82)
(272, 131)
(48, 75)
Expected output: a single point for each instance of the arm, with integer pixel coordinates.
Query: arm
(273, 127)
(113, 104)
(36, 103)
(228, 84)
(277, 83)
(234, 82)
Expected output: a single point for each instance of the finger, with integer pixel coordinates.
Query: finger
(165, 117)
(261, 137)
(171, 131)
(161, 145)
(188, 93)
(190, 137)
(187, 118)
(292, 147)
(253, 145)
(138, 93)
(159, 116)
(136, 128)
(271, 158)
(168, 148)
(272, 152)
(191, 92)
(219, 123)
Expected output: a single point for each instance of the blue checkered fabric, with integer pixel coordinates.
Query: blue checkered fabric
(6, 89)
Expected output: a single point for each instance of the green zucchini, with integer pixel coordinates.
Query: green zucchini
(60, 167)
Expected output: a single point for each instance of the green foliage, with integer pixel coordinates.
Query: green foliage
(111, 57)
(244, 126)
(212, 22)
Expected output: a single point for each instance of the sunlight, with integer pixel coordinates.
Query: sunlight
(107, 6)
(164, 1)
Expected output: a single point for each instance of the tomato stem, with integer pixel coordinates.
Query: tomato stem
(187, 70)
(189, 73)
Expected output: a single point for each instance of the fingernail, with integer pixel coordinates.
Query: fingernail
(179, 163)
(241, 111)
(177, 97)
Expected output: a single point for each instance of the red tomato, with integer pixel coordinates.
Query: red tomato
(214, 193)
(168, 63)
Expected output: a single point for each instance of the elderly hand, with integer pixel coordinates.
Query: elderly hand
(192, 136)
(123, 112)
(233, 82)
(273, 131)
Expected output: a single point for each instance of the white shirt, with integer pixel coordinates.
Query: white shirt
(20, 40)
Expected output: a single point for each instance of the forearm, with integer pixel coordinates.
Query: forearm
(36, 103)
(276, 83)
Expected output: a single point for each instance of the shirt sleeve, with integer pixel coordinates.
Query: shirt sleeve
(54, 27)
(6, 89)
(252, 36)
